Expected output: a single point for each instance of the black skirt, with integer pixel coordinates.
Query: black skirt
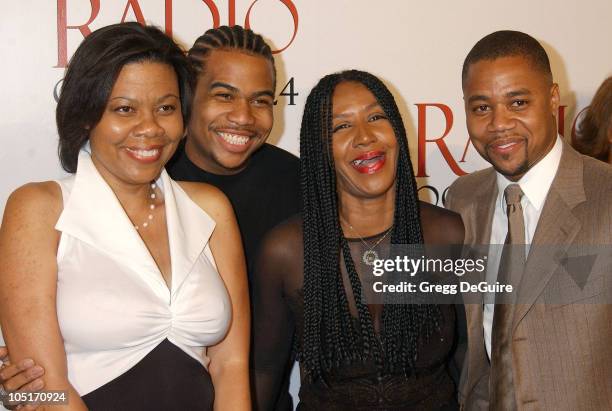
(166, 379)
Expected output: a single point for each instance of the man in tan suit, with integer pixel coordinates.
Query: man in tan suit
(552, 350)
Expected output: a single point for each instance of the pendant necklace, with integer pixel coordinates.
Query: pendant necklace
(369, 255)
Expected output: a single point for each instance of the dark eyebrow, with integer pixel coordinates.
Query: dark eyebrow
(268, 93)
(473, 98)
(119, 97)
(168, 95)
(519, 92)
(510, 94)
(233, 89)
(159, 99)
(368, 107)
(223, 85)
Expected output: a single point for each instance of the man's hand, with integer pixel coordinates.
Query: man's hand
(24, 377)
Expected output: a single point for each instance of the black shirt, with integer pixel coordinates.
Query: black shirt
(265, 193)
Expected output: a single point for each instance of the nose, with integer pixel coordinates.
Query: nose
(241, 113)
(364, 134)
(501, 119)
(149, 126)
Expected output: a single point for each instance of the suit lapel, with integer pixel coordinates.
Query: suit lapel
(483, 208)
(478, 219)
(556, 229)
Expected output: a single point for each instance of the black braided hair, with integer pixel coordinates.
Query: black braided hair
(228, 38)
(330, 336)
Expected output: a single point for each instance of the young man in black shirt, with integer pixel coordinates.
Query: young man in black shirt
(231, 118)
(230, 122)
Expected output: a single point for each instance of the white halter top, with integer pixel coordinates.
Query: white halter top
(113, 305)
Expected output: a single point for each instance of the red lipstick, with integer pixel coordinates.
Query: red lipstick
(370, 162)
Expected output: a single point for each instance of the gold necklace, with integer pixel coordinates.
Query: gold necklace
(369, 255)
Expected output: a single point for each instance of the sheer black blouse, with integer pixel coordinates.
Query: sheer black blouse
(278, 316)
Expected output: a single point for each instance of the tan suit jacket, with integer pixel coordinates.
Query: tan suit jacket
(562, 353)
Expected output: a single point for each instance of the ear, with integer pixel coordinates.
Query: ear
(554, 98)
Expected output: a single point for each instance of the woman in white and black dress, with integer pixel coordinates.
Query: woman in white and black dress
(127, 287)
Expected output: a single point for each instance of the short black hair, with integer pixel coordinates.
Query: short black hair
(508, 43)
(229, 38)
(93, 70)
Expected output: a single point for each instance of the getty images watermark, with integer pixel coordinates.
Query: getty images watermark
(419, 274)
(422, 264)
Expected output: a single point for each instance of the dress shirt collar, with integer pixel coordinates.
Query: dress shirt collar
(537, 181)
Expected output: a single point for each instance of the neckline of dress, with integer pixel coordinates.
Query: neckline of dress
(370, 237)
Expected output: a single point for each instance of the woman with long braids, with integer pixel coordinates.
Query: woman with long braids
(359, 194)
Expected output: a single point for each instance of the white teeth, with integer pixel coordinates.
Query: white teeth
(506, 145)
(366, 162)
(234, 139)
(144, 153)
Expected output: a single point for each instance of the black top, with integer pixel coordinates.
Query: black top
(278, 314)
(265, 193)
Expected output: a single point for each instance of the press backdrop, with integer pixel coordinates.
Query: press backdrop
(416, 47)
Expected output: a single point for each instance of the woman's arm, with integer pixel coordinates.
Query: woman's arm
(278, 272)
(229, 359)
(28, 274)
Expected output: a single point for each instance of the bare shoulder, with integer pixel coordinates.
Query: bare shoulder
(441, 226)
(41, 202)
(208, 197)
(285, 243)
(289, 232)
(281, 256)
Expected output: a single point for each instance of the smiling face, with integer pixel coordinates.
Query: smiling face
(363, 142)
(510, 109)
(232, 111)
(140, 126)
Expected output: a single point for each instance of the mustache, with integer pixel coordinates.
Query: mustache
(502, 139)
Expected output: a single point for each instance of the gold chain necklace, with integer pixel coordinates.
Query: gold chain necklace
(369, 255)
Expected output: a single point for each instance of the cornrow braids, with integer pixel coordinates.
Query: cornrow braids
(228, 38)
(330, 337)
